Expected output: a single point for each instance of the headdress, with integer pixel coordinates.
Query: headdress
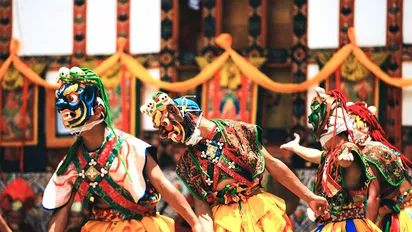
(329, 115)
(17, 196)
(84, 78)
(366, 119)
(172, 118)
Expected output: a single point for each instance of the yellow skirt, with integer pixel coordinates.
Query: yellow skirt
(352, 225)
(149, 224)
(402, 222)
(261, 212)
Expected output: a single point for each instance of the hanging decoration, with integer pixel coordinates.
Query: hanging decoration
(237, 94)
(355, 81)
(250, 71)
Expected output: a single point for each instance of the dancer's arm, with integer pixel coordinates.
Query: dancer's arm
(58, 220)
(309, 154)
(374, 190)
(172, 196)
(3, 225)
(287, 178)
(204, 213)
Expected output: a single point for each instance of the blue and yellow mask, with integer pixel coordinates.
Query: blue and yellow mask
(76, 98)
(75, 103)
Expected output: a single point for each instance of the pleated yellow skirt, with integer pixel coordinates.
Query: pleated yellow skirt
(401, 222)
(351, 225)
(261, 212)
(157, 223)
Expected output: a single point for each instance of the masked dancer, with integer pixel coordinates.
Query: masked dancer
(222, 167)
(114, 173)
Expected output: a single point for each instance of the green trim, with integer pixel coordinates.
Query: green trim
(126, 212)
(259, 150)
(197, 164)
(361, 158)
(380, 170)
(190, 190)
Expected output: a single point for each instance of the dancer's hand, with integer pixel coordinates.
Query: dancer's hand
(346, 159)
(198, 228)
(291, 146)
(319, 205)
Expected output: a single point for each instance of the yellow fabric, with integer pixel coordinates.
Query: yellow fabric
(21, 67)
(248, 69)
(363, 225)
(140, 72)
(405, 220)
(159, 223)
(261, 212)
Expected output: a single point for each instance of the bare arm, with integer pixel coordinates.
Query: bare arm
(3, 225)
(58, 220)
(372, 208)
(287, 178)
(170, 193)
(309, 154)
(204, 213)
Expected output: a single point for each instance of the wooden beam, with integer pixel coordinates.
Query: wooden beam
(394, 45)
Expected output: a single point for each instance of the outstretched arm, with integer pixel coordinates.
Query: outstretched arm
(58, 220)
(3, 225)
(309, 154)
(287, 178)
(171, 194)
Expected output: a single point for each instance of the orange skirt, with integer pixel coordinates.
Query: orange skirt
(261, 212)
(155, 223)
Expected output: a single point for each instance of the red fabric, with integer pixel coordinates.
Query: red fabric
(377, 133)
(125, 113)
(395, 227)
(17, 190)
(216, 89)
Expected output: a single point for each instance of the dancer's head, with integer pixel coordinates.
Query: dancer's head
(366, 123)
(176, 119)
(81, 99)
(83, 103)
(16, 200)
(329, 115)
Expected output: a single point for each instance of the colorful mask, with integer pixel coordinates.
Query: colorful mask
(329, 116)
(76, 98)
(171, 117)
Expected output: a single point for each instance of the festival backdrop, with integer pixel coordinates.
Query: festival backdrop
(355, 81)
(230, 94)
(18, 113)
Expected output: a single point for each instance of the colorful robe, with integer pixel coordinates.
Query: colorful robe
(396, 211)
(102, 174)
(232, 151)
(346, 207)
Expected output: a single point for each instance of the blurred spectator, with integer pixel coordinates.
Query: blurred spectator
(167, 162)
(300, 220)
(16, 200)
(180, 224)
(76, 217)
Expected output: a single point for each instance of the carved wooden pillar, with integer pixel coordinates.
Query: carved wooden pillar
(346, 9)
(123, 21)
(209, 21)
(298, 61)
(6, 18)
(79, 31)
(257, 28)
(168, 45)
(394, 44)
